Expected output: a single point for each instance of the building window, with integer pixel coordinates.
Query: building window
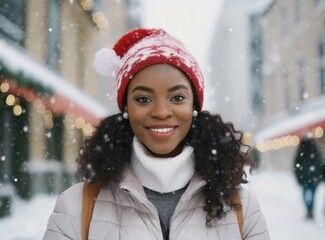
(54, 133)
(321, 65)
(299, 11)
(303, 95)
(320, 4)
(12, 20)
(284, 22)
(14, 144)
(256, 59)
(54, 136)
(287, 89)
(53, 33)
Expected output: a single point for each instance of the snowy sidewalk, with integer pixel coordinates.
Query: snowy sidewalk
(280, 198)
(278, 193)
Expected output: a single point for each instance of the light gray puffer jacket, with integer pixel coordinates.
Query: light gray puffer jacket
(127, 214)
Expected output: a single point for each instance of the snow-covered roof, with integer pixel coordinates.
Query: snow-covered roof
(259, 7)
(310, 115)
(17, 61)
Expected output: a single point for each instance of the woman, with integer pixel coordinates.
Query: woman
(167, 169)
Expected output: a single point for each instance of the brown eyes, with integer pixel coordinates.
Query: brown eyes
(145, 99)
(178, 98)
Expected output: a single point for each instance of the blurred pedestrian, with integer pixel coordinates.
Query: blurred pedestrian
(308, 171)
(254, 155)
(167, 169)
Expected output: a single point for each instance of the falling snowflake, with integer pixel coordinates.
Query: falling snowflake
(25, 128)
(214, 151)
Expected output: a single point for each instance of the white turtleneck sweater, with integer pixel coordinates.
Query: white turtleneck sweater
(162, 174)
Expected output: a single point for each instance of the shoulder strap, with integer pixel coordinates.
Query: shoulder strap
(239, 212)
(89, 194)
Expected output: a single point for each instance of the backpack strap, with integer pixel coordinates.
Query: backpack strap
(239, 212)
(89, 195)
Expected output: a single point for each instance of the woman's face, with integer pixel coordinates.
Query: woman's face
(160, 107)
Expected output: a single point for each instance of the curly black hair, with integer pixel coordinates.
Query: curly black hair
(218, 153)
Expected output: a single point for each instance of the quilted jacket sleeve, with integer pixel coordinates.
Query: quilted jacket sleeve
(254, 226)
(65, 221)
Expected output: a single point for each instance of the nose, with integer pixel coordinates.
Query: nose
(161, 110)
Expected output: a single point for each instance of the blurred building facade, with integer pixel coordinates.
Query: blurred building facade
(50, 97)
(229, 77)
(267, 74)
(291, 80)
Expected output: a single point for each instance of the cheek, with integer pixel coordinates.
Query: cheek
(136, 113)
(186, 117)
(136, 119)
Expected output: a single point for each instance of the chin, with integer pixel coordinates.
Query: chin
(164, 153)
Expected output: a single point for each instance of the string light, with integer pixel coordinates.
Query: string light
(247, 138)
(88, 130)
(276, 144)
(71, 121)
(48, 119)
(286, 141)
(17, 110)
(100, 19)
(295, 141)
(68, 121)
(10, 100)
(318, 132)
(41, 108)
(87, 5)
(261, 146)
(4, 87)
(79, 122)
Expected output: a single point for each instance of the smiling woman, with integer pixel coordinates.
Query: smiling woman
(160, 111)
(164, 168)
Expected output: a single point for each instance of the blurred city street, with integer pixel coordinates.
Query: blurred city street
(264, 67)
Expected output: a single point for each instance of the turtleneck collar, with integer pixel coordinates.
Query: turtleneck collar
(162, 174)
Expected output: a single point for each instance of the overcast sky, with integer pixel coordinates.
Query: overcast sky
(191, 21)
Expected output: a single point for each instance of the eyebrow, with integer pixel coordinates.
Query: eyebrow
(142, 88)
(147, 89)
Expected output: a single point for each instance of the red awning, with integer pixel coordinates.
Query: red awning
(309, 117)
(59, 105)
(66, 97)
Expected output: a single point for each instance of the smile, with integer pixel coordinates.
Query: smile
(161, 130)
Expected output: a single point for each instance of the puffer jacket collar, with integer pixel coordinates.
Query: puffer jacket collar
(131, 184)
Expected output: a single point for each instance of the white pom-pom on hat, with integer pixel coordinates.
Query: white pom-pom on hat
(106, 62)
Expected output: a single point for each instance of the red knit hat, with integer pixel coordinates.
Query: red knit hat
(141, 48)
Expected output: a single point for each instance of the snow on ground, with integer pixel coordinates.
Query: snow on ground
(28, 220)
(278, 193)
(280, 198)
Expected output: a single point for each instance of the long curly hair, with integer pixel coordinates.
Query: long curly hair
(218, 152)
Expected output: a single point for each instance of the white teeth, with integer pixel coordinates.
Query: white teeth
(161, 130)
